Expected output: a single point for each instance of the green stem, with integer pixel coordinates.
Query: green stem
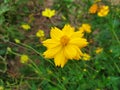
(115, 35)
(113, 30)
(32, 49)
(113, 62)
(33, 65)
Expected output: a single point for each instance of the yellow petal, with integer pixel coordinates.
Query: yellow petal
(60, 59)
(80, 42)
(56, 33)
(70, 51)
(50, 43)
(77, 34)
(78, 55)
(68, 30)
(50, 53)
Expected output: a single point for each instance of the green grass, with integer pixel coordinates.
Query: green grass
(101, 72)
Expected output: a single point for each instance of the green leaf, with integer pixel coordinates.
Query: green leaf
(2, 19)
(4, 8)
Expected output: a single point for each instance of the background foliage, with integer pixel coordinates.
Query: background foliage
(102, 72)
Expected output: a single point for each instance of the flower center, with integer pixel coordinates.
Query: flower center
(64, 40)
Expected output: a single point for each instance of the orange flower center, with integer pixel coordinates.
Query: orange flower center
(64, 40)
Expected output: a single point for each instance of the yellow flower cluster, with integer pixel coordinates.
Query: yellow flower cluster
(85, 28)
(48, 13)
(101, 10)
(64, 44)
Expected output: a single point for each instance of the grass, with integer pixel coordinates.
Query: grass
(101, 72)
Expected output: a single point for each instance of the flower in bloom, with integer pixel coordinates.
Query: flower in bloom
(17, 40)
(93, 9)
(98, 50)
(104, 10)
(64, 44)
(24, 58)
(40, 33)
(25, 26)
(86, 57)
(48, 13)
(85, 28)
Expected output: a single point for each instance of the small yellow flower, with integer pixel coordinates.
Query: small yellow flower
(86, 57)
(111, 51)
(25, 26)
(1, 88)
(17, 40)
(24, 58)
(85, 28)
(64, 44)
(40, 33)
(84, 69)
(48, 13)
(93, 9)
(98, 50)
(104, 10)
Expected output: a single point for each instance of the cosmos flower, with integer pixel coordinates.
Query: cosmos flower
(64, 44)
(104, 10)
(85, 28)
(93, 9)
(48, 13)
(40, 33)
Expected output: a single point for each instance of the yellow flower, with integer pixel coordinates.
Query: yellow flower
(48, 13)
(85, 28)
(104, 10)
(1, 88)
(40, 33)
(93, 9)
(86, 57)
(99, 50)
(24, 58)
(25, 26)
(64, 44)
(84, 69)
(17, 40)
